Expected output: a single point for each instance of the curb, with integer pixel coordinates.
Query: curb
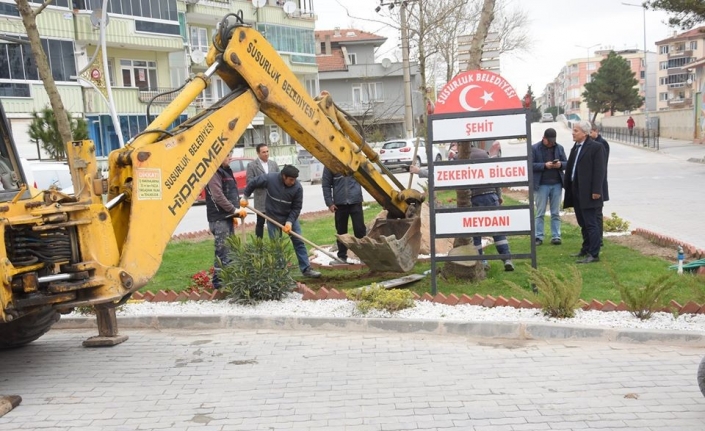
(494, 330)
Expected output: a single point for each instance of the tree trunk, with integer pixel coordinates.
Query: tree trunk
(30, 24)
(483, 27)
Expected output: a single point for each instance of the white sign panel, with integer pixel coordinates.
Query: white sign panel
(481, 173)
(479, 222)
(478, 128)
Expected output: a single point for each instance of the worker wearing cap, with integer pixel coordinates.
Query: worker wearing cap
(549, 162)
(285, 198)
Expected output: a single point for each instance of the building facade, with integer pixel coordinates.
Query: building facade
(152, 47)
(369, 91)
(676, 87)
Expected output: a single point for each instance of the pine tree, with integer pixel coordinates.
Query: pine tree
(613, 87)
(685, 13)
(45, 130)
(535, 114)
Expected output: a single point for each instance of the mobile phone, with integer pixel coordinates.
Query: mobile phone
(556, 161)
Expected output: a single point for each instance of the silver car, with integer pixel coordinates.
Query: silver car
(399, 153)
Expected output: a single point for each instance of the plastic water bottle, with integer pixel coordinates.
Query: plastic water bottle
(680, 259)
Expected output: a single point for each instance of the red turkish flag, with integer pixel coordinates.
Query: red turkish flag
(476, 90)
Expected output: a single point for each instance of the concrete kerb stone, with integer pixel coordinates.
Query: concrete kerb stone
(494, 330)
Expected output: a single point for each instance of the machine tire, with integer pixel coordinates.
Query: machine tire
(27, 328)
(701, 376)
(418, 161)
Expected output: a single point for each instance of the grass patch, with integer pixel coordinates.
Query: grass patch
(183, 259)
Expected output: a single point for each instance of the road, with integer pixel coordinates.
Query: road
(269, 380)
(658, 191)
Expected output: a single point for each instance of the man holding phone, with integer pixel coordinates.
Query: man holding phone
(549, 163)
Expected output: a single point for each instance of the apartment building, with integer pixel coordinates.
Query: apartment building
(150, 49)
(676, 87)
(569, 84)
(372, 92)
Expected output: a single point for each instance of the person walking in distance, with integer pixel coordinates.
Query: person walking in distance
(482, 197)
(630, 124)
(584, 177)
(259, 167)
(549, 162)
(222, 208)
(283, 203)
(595, 136)
(343, 196)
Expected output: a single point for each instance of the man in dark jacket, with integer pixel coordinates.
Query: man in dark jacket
(343, 196)
(595, 136)
(222, 206)
(549, 162)
(285, 198)
(584, 177)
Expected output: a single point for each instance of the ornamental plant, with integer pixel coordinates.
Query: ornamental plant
(258, 270)
(558, 294)
(202, 281)
(378, 298)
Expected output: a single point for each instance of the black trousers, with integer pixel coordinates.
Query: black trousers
(259, 227)
(353, 212)
(592, 234)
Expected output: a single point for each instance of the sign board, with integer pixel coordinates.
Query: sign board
(478, 106)
(482, 222)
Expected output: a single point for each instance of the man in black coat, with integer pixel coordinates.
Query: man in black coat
(584, 178)
(595, 136)
(343, 196)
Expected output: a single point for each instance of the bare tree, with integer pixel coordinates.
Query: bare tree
(29, 19)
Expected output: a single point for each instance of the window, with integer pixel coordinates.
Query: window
(138, 73)
(199, 39)
(157, 9)
(374, 91)
(663, 65)
(357, 94)
(641, 74)
(679, 47)
(17, 61)
(663, 96)
(291, 40)
(591, 66)
(663, 49)
(693, 44)
(352, 58)
(311, 86)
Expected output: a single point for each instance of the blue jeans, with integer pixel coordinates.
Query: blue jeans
(500, 241)
(544, 194)
(299, 246)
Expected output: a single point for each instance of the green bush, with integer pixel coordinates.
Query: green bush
(557, 294)
(258, 270)
(643, 301)
(378, 298)
(615, 224)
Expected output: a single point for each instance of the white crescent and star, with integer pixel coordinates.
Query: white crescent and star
(487, 97)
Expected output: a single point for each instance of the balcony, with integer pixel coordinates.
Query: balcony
(681, 102)
(129, 100)
(681, 53)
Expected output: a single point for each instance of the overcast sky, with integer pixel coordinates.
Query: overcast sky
(556, 27)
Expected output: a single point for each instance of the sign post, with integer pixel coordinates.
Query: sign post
(478, 106)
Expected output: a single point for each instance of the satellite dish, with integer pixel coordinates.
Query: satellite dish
(289, 7)
(274, 137)
(96, 15)
(386, 63)
(259, 3)
(197, 56)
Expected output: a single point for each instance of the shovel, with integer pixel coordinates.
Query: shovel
(280, 226)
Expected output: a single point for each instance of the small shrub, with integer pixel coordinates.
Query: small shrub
(258, 269)
(378, 298)
(202, 281)
(557, 294)
(643, 301)
(615, 224)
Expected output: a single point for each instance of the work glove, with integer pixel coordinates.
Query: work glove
(242, 213)
(287, 227)
(235, 222)
(243, 202)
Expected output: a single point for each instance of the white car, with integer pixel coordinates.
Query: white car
(43, 175)
(399, 153)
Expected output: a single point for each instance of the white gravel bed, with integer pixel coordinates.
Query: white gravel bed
(294, 306)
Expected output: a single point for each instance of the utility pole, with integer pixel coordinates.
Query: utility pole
(408, 113)
(646, 88)
(587, 72)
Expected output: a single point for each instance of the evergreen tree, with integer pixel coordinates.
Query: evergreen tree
(45, 130)
(685, 13)
(535, 114)
(555, 110)
(613, 87)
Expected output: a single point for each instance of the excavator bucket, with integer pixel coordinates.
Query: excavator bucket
(392, 245)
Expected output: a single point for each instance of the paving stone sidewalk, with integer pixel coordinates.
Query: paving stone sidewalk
(232, 379)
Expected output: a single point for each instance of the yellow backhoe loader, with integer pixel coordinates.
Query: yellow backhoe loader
(63, 251)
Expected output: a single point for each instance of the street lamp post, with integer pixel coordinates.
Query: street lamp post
(408, 114)
(646, 97)
(587, 70)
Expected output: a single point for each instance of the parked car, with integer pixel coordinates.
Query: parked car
(43, 175)
(399, 153)
(547, 117)
(239, 167)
